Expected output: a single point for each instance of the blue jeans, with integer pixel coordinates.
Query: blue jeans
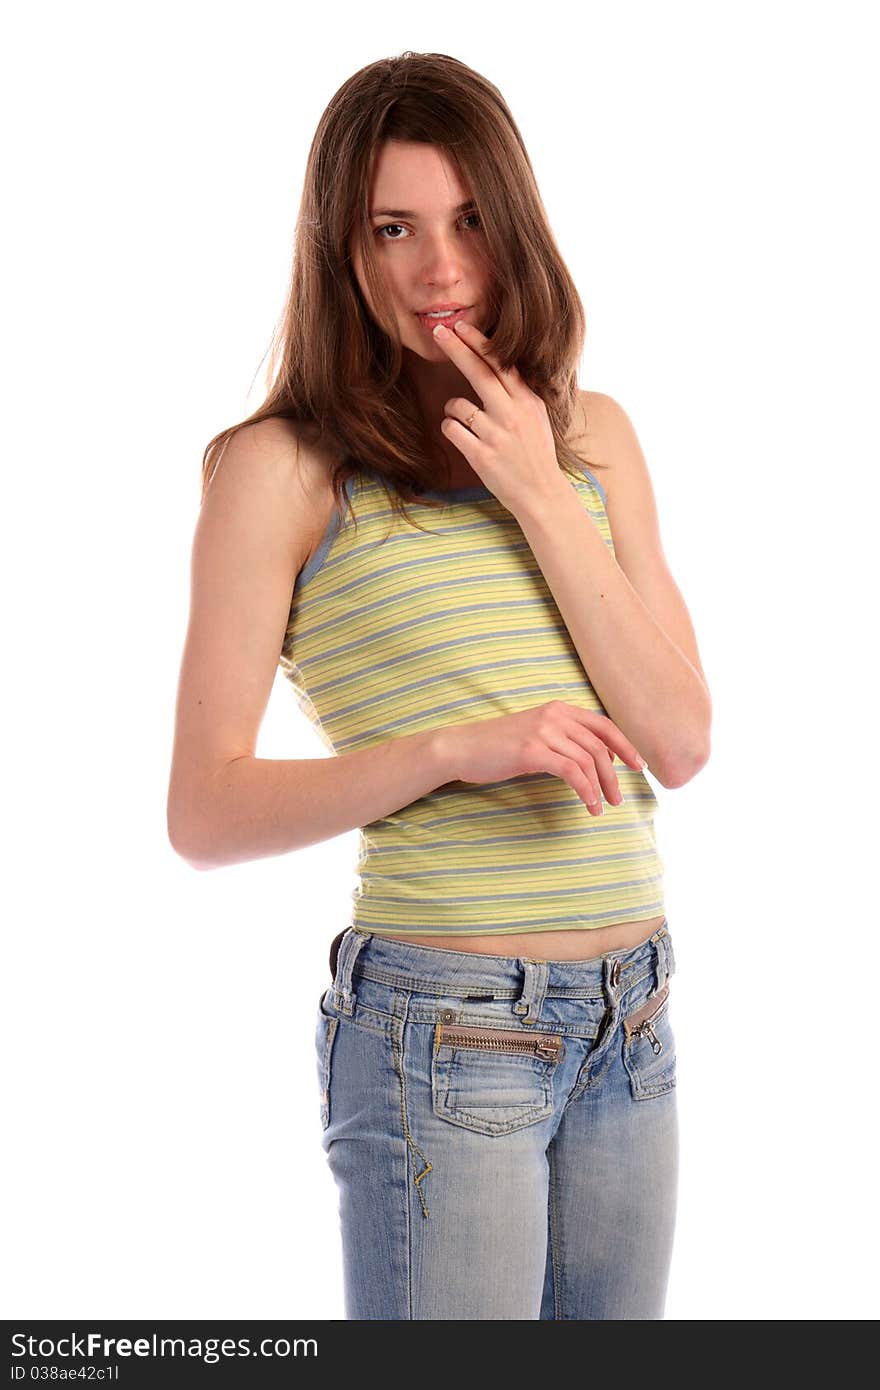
(502, 1130)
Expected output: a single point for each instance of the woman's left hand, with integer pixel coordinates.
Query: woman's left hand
(509, 442)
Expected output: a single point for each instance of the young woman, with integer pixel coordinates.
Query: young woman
(489, 640)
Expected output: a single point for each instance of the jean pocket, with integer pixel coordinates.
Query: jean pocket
(649, 1047)
(325, 1036)
(493, 1080)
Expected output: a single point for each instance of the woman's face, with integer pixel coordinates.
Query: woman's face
(430, 249)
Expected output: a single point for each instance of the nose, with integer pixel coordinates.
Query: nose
(443, 261)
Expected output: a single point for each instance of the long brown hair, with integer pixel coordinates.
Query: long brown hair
(337, 372)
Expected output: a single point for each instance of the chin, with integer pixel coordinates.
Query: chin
(432, 351)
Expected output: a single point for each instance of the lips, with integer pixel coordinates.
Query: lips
(449, 320)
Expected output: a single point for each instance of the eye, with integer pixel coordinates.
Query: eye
(396, 226)
(393, 226)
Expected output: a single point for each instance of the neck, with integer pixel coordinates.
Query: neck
(434, 383)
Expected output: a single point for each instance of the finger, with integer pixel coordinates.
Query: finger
(601, 769)
(459, 435)
(571, 771)
(476, 366)
(610, 734)
(480, 343)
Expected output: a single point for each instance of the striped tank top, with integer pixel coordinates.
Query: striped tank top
(393, 631)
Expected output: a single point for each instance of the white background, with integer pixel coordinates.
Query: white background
(709, 171)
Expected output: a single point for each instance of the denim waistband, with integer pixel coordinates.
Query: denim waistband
(525, 979)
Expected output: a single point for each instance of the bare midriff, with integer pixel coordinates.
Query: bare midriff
(544, 945)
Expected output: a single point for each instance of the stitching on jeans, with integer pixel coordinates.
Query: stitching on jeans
(415, 985)
(591, 1080)
(594, 1080)
(398, 1063)
(555, 1253)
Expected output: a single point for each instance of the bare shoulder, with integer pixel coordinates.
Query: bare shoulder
(283, 450)
(603, 432)
(588, 422)
(287, 476)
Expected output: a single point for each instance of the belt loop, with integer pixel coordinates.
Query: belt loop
(334, 953)
(610, 977)
(352, 943)
(534, 990)
(664, 960)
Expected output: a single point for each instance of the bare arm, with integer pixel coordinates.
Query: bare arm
(624, 613)
(256, 526)
(262, 806)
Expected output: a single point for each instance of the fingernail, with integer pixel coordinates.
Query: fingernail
(641, 761)
(440, 331)
(461, 325)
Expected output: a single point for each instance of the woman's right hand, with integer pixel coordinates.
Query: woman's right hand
(566, 740)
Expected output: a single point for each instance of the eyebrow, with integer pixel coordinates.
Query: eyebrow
(403, 212)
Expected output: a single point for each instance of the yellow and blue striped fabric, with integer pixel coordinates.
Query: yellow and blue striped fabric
(392, 631)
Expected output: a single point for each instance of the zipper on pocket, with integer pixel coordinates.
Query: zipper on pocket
(548, 1046)
(646, 1031)
(638, 1024)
